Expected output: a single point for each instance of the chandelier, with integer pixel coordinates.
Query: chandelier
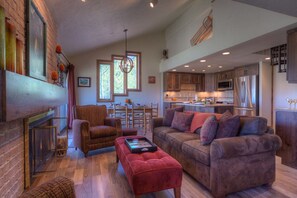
(126, 63)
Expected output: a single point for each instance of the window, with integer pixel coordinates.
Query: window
(134, 76)
(120, 78)
(111, 81)
(104, 81)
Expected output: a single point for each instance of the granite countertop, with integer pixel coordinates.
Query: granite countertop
(286, 109)
(206, 105)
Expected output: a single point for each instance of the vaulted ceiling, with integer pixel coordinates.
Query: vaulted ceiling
(84, 26)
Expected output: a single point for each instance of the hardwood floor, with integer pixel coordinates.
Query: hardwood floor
(100, 176)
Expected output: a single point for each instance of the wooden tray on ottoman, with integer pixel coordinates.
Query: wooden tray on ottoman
(140, 144)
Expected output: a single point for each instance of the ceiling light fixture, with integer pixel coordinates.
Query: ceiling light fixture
(226, 53)
(202, 61)
(267, 58)
(153, 3)
(186, 66)
(83, 1)
(193, 70)
(174, 70)
(220, 66)
(126, 63)
(209, 66)
(203, 70)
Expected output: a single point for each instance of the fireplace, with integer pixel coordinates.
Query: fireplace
(39, 144)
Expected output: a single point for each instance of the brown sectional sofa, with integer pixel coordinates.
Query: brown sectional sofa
(228, 164)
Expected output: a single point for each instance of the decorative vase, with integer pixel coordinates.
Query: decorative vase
(10, 46)
(2, 38)
(19, 57)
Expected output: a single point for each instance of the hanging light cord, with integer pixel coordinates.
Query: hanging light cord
(125, 30)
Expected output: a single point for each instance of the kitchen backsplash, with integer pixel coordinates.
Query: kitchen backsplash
(218, 96)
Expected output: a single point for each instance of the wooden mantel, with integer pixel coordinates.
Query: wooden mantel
(22, 96)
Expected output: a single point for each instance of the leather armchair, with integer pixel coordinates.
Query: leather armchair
(92, 129)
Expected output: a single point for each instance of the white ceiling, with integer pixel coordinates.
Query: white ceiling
(96, 23)
(84, 26)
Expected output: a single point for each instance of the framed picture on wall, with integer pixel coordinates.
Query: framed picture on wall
(36, 45)
(152, 79)
(83, 81)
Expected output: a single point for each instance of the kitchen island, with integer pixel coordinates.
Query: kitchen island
(209, 108)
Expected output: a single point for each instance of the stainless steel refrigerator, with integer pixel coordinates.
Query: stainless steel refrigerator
(246, 95)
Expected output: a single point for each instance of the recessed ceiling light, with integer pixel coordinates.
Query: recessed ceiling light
(202, 61)
(226, 53)
(220, 66)
(174, 70)
(83, 0)
(209, 66)
(186, 66)
(153, 3)
(267, 58)
(203, 70)
(193, 70)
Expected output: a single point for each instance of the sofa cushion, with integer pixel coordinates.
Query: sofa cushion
(163, 130)
(195, 150)
(252, 125)
(228, 125)
(208, 130)
(176, 139)
(182, 121)
(199, 119)
(169, 114)
(102, 131)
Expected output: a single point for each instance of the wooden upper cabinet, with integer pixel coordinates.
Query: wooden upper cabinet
(210, 82)
(292, 56)
(247, 70)
(171, 81)
(225, 75)
(185, 78)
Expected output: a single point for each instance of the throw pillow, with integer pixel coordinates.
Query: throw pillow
(182, 121)
(169, 114)
(208, 130)
(228, 125)
(253, 125)
(199, 119)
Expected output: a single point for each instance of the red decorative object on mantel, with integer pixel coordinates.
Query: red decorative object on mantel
(54, 76)
(62, 69)
(58, 49)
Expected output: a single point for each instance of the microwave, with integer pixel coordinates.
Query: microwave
(225, 85)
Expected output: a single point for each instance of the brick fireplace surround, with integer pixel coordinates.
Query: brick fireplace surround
(12, 132)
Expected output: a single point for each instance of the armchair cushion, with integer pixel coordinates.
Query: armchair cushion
(93, 113)
(102, 131)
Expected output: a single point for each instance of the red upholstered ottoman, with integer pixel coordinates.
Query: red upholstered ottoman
(149, 171)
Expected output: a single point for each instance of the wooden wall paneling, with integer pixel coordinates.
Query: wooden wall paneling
(286, 128)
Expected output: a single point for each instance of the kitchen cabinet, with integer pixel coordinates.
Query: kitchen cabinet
(185, 78)
(286, 129)
(171, 81)
(209, 82)
(225, 75)
(292, 56)
(247, 70)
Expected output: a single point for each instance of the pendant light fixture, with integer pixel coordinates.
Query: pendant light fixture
(126, 63)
